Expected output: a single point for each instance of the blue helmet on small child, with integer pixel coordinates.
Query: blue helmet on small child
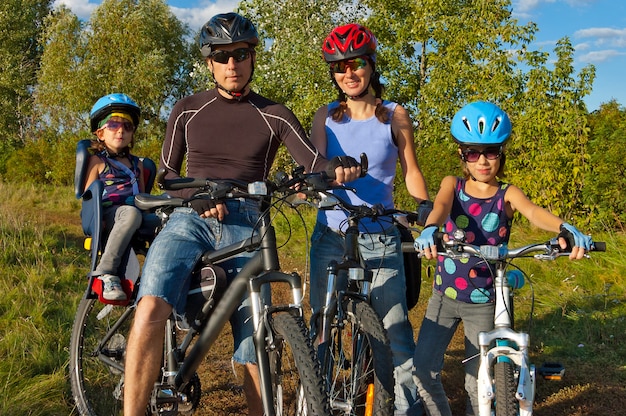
(111, 103)
(481, 124)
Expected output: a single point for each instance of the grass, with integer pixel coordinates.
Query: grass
(579, 310)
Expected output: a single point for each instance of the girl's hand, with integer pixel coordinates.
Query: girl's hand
(571, 238)
(426, 242)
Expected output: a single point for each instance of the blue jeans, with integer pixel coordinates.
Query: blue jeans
(176, 249)
(443, 316)
(383, 255)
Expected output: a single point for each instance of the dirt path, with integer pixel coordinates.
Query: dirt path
(582, 392)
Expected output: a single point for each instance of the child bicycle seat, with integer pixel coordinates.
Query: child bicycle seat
(91, 212)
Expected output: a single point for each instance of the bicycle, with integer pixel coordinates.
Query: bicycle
(506, 377)
(290, 378)
(352, 343)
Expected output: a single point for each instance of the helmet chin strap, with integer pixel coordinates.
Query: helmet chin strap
(237, 95)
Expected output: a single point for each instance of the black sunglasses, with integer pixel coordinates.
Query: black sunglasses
(239, 55)
(472, 155)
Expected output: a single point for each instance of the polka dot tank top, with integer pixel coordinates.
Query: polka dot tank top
(485, 222)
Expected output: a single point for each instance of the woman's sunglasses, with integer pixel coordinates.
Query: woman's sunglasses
(340, 67)
(115, 125)
(239, 55)
(472, 155)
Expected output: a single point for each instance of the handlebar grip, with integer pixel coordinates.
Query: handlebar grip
(599, 246)
(438, 237)
(408, 247)
(179, 183)
(364, 164)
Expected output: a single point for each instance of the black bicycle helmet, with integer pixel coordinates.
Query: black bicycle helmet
(225, 29)
(111, 103)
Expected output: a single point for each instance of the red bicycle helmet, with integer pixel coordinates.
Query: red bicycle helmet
(349, 41)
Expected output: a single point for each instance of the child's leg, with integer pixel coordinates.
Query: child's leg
(476, 318)
(123, 221)
(436, 332)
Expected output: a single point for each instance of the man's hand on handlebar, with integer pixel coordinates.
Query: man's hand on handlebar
(209, 209)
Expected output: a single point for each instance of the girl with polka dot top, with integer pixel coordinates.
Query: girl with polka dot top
(481, 205)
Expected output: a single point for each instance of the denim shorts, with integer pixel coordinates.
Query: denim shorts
(178, 247)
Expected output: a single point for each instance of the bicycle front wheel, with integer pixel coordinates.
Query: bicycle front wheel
(297, 384)
(358, 365)
(506, 387)
(97, 351)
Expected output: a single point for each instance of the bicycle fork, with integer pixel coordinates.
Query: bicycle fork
(264, 340)
(509, 345)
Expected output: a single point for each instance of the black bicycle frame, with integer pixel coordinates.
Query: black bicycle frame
(261, 269)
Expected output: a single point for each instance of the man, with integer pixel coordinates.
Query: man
(226, 132)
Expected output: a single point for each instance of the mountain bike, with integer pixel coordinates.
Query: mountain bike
(506, 377)
(352, 343)
(290, 379)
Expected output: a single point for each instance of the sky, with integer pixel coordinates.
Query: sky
(596, 29)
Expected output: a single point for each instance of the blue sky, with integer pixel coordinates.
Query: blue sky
(596, 28)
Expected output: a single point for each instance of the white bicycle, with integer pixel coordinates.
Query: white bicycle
(506, 377)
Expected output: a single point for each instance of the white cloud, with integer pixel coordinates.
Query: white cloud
(81, 8)
(604, 36)
(595, 57)
(199, 12)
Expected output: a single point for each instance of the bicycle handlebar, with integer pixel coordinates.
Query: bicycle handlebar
(220, 189)
(457, 248)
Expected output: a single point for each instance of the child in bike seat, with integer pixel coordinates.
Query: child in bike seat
(114, 119)
(482, 205)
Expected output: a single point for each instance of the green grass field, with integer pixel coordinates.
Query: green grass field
(579, 309)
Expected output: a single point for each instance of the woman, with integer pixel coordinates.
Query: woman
(360, 121)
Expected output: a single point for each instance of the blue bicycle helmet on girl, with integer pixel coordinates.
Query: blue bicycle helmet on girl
(481, 124)
(110, 104)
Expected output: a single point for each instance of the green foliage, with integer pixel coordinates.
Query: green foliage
(19, 59)
(135, 47)
(548, 154)
(431, 60)
(605, 180)
(42, 277)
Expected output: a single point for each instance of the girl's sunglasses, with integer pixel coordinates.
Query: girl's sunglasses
(115, 125)
(340, 67)
(239, 55)
(472, 155)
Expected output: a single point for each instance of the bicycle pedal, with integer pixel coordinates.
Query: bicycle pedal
(552, 371)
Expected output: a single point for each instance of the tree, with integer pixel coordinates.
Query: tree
(137, 47)
(605, 182)
(133, 46)
(549, 154)
(21, 22)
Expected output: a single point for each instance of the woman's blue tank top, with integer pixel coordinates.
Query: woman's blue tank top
(353, 137)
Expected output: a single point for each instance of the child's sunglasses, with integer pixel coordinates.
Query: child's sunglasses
(340, 67)
(115, 125)
(472, 155)
(239, 55)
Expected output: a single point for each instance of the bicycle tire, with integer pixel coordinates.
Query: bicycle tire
(97, 386)
(359, 358)
(506, 387)
(297, 383)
